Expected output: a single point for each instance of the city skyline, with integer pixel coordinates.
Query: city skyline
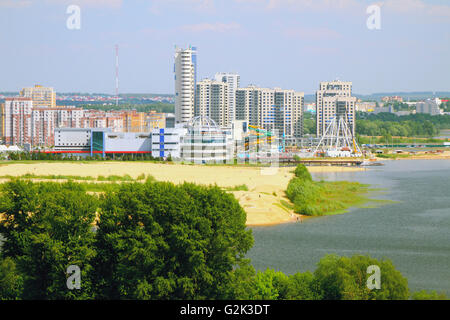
(311, 43)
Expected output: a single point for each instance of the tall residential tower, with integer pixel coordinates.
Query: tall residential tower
(234, 81)
(185, 73)
(211, 100)
(271, 109)
(334, 100)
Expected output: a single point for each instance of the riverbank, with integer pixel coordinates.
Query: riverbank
(264, 200)
(421, 155)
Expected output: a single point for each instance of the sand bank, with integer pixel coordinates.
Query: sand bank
(262, 201)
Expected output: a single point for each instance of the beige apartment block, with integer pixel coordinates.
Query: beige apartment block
(334, 100)
(211, 100)
(271, 109)
(41, 96)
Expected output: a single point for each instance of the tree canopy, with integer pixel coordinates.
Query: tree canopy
(156, 240)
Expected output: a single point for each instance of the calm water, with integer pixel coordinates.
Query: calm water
(414, 232)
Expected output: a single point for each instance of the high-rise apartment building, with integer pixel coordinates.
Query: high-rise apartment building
(211, 100)
(18, 120)
(234, 81)
(2, 122)
(271, 109)
(334, 100)
(41, 96)
(185, 74)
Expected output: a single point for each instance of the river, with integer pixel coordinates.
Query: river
(413, 231)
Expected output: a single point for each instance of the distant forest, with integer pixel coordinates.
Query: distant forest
(414, 125)
(383, 124)
(164, 107)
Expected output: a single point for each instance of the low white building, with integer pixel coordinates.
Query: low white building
(101, 141)
(206, 142)
(166, 141)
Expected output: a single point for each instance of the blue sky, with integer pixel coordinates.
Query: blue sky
(292, 44)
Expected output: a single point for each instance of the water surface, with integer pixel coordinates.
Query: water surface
(413, 232)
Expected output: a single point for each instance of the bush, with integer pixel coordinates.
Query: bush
(343, 278)
(428, 295)
(302, 172)
(10, 280)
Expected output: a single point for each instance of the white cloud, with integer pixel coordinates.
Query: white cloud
(15, 3)
(159, 6)
(416, 7)
(312, 33)
(397, 6)
(303, 4)
(114, 4)
(213, 27)
(313, 4)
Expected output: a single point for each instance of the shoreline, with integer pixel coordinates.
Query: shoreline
(420, 156)
(263, 202)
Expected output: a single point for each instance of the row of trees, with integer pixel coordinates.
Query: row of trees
(150, 241)
(164, 107)
(402, 129)
(69, 157)
(439, 121)
(154, 240)
(384, 124)
(309, 123)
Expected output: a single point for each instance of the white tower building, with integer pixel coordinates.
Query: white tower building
(185, 73)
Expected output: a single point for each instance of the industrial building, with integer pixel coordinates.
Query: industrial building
(199, 141)
(99, 141)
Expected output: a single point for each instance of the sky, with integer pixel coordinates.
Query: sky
(292, 44)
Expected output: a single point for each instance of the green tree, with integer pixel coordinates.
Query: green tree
(161, 241)
(302, 287)
(264, 286)
(47, 227)
(428, 295)
(343, 278)
(10, 280)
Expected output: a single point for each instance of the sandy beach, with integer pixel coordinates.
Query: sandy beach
(262, 201)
